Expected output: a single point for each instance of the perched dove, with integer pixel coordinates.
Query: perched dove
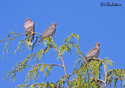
(49, 32)
(29, 28)
(93, 53)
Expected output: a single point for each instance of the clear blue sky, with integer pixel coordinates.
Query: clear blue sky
(84, 17)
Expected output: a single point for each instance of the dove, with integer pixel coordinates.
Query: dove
(29, 28)
(49, 32)
(94, 52)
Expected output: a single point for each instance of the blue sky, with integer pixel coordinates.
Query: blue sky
(84, 17)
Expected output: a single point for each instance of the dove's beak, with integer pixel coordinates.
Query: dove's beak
(98, 43)
(27, 19)
(56, 24)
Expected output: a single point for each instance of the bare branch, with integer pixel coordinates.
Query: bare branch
(67, 77)
(105, 82)
(98, 80)
(121, 80)
(71, 74)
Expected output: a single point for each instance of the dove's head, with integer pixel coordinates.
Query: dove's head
(98, 43)
(27, 19)
(54, 24)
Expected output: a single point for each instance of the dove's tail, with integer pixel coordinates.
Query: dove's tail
(30, 39)
(40, 41)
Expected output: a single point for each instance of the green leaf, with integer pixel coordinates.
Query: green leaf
(43, 67)
(32, 86)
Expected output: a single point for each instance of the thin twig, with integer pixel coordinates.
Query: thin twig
(91, 73)
(79, 68)
(121, 80)
(53, 65)
(56, 85)
(47, 64)
(71, 74)
(67, 77)
(95, 78)
(105, 82)
(98, 79)
(11, 38)
(19, 34)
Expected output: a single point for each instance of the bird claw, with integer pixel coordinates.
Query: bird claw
(32, 32)
(50, 37)
(98, 58)
(94, 58)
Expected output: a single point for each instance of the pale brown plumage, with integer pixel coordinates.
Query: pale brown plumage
(49, 32)
(29, 28)
(94, 52)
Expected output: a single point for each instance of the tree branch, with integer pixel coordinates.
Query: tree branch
(79, 68)
(105, 82)
(71, 74)
(19, 34)
(67, 77)
(121, 80)
(98, 79)
(47, 64)
(53, 65)
(92, 75)
(55, 85)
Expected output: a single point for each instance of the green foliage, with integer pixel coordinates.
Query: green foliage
(107, 61)
(32, 74)
(47, 69)
(22, 42)
(72, 35)
(93, 74)
(61, 81)
(38, 85)
(67, 46)
(20, 66)
(82, 79)
(94, 67)
(10, 37)
(22, 86)
(114, 75)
